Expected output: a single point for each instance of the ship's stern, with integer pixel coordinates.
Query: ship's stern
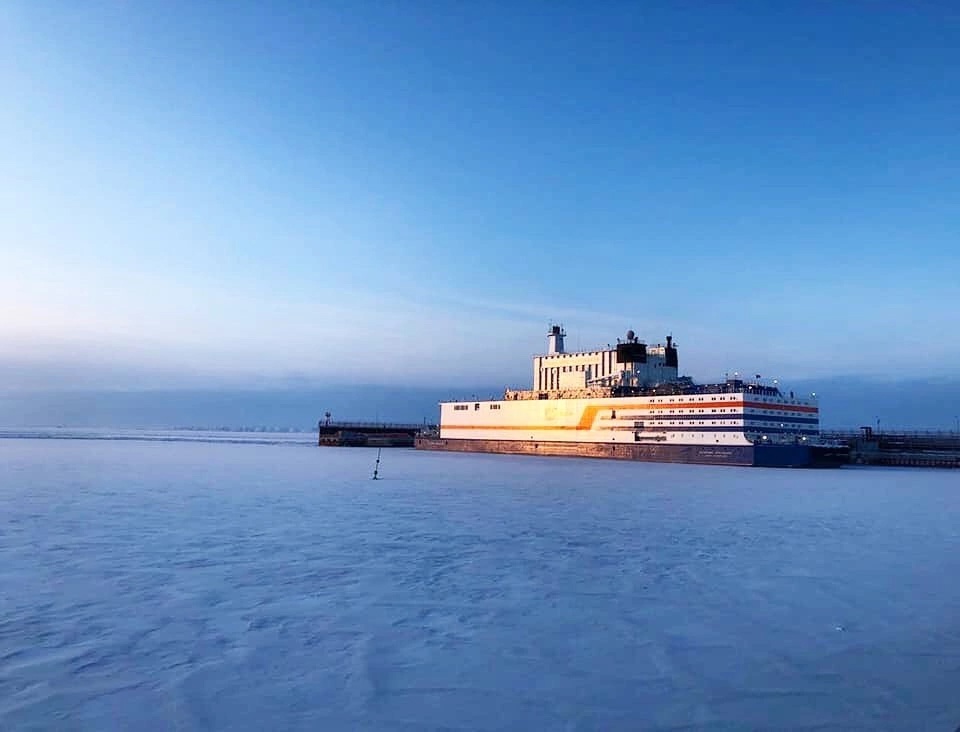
(800, 456)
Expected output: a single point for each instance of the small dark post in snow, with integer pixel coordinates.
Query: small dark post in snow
(376, 467)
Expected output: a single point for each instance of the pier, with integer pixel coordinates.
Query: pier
(923, 449)
(368, 434)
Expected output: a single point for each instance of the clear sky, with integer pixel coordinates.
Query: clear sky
(206, 193)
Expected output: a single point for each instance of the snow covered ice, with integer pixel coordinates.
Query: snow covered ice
(199, 586)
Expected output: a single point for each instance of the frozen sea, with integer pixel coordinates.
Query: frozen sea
(220, 585)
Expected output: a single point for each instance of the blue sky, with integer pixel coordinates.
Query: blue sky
(204, 194)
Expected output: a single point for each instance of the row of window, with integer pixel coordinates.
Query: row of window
(752, 425)
(722, 399)
(701, 399)
(692, 423)
(673, 411)
(722, 409)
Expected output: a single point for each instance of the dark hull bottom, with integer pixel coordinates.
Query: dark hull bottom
(365, 441)
(768, 456)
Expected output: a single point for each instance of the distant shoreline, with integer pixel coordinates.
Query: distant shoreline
(154, 435)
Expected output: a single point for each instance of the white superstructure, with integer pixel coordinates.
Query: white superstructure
(632, 361)
(631, 393)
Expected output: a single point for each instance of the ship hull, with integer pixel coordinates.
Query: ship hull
(770, 456)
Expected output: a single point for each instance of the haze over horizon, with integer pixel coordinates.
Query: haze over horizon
(295, 196)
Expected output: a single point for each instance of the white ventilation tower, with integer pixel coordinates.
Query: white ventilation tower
(555, 339)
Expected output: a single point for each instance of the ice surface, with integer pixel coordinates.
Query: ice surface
(188, 586)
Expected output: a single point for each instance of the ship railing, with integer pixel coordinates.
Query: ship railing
(923, 440)
(368, 425)
(875, 432)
